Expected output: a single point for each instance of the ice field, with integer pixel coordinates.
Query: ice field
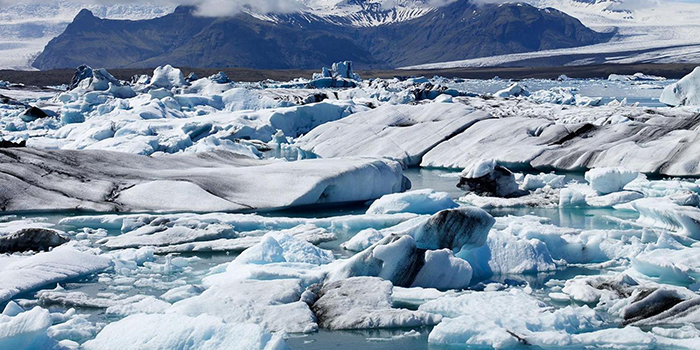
(179, 212)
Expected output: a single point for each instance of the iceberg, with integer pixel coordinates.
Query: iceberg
(167, 77)
(456, 229)
(555, 142)
(639, 76)
(340, 75)
(514, 90)
(609, 180)
(667, 214)
(505, 254)
(25, 330)
(364, 303)
(216, 181)
(420, 254)
(487, 178)
(31, 239)
(403, 132)
(685, 92)
(426, 201)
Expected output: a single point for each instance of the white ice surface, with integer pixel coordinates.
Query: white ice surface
(173, 331)
(400, 132)
(204, 182)
(43, 269)
(420, 202)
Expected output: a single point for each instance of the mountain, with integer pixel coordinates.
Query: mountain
(25, 28)
(359, 30)
(643, 31)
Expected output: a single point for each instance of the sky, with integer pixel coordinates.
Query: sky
(227, 7)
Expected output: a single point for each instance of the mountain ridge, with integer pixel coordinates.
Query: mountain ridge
(300, 40)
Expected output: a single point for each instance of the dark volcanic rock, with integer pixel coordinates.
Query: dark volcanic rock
(31, 239)
(459, 30)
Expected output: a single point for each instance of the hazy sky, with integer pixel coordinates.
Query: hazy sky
(226, 7)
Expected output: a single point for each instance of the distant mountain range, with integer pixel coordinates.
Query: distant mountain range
(643, 31)
(372, 36)
(26, 27)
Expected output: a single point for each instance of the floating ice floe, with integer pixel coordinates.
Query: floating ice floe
(420, 202)
(205, 182)
(564, 96)
(221, 232)
(609, 180)
(24, 274)
(276, 307)
(511, 319)
(635, 77)
(487, 178)
(173, 331)
(364, 303)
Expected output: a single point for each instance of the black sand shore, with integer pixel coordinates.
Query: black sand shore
(674, 71)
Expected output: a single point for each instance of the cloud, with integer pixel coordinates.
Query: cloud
(220, 8)
(209, 8)
(217, 8)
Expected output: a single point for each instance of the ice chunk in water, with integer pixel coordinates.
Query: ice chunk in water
(685, 92)
(167, 77)
(45, 268)
(506, 319)
(425, 201)
(173, 331)
(609, 180)
(25, 330)
(364, 303)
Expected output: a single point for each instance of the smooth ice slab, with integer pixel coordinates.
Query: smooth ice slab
(63, 263)
(220, 181)
(400, 132)
(659, 143)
